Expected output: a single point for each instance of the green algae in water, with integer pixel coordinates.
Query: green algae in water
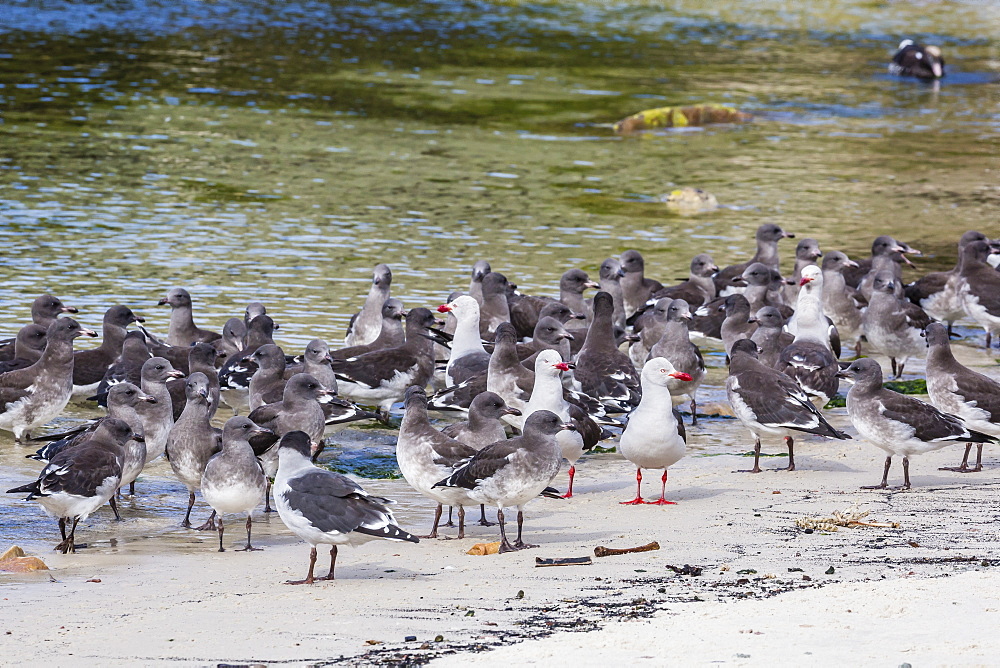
(836, 401)
(916, 386)
(365, 463)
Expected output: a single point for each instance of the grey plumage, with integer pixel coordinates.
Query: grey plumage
(390, 332)
(768, 402)
(193, 440)
(767, 236)
(233, 481)
(958, 390)
(32, 396)
(183, 332)
(513, 471)
(937, 292)
(79, 480)
(366, 324)
(897, 423)
(893, 326)
(675, 346)
(89, 366)
(326, 508)
(603, 371)
(158, 417)
(27, 348)
(636, 288)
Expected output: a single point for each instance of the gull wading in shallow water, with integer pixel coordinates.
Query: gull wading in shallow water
(234, 480)
(79, 480)
(32, 396)
(367, 323)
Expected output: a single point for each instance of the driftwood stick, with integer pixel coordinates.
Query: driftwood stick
(602, 551)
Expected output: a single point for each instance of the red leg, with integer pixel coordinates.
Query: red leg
(662, 501)
(637, 501)
(569, 493)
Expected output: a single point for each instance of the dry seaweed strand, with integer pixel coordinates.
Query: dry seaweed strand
(852, 517)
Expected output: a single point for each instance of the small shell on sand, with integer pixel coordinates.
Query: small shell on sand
(481, 549)
(687, 201)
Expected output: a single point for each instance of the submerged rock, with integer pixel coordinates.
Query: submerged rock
(679, 117)
(690, 200)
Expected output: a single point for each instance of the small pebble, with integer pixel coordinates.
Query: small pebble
(830, 571)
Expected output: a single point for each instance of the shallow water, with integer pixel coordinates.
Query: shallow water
(277, 151)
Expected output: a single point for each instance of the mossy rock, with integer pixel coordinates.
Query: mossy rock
(680, 117)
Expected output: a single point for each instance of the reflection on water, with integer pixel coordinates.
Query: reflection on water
(277, 151)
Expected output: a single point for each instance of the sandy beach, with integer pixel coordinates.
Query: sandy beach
(768, 593)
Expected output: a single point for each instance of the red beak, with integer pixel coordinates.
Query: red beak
(444, 308)
(562, 366)
(680, 375)
(804, 281)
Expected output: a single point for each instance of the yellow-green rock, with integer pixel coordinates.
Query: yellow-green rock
(679, 117)
(690, 200)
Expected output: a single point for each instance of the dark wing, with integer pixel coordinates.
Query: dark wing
(611, 378)
(686, 290)
(14, 365)
(460, 396)
(449, 452)
(724, 278)
(710, 320)
(926, 286)
(588, 429)
(176, 355)
(777, 401)
(275, 393)
(89, 366)
(853, 275)
(338, 410)
(584, 402)
(984, 283)
(11, 395)
(915, 316)
(261, 443)
(484, 464)
(981, 391)
(929, 423)
(834, 337)
(236, 374)
(267, 415)
(524, 312)
(372, 368)
(335, 503)
(59, 442)
(681, 431)
(79, 471)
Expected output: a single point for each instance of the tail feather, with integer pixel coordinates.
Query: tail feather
(31, 489)
(390, 532)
